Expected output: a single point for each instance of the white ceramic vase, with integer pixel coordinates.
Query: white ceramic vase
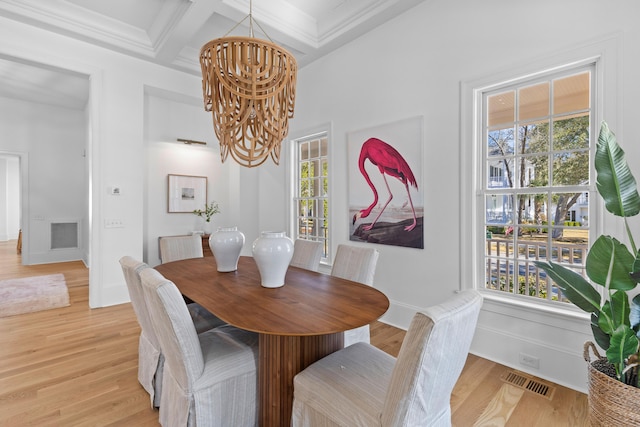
(226, 244)
(207, 227)
(272, 252)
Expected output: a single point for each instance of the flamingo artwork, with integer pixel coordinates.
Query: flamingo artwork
(389, 162)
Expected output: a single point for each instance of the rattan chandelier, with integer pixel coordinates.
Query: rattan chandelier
(249, 87)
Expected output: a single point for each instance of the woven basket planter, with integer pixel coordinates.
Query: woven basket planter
(611, 402)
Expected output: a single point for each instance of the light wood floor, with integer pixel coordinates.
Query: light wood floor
(75, 366)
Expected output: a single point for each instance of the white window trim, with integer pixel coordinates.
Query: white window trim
(291, 182)
(604, 53)
(545, 76)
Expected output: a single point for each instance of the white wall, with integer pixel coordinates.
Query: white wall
(54, 138)
(86, 225)
(4, 178)
(13, 197)
(167, 118)
(415, 65)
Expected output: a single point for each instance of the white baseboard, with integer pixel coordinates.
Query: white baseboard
(57, 255)
(399, 314)
(556, 365)
(112, 294)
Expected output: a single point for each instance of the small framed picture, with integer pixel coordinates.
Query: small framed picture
(186, 193)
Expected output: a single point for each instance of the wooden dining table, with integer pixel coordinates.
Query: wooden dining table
(298, 323)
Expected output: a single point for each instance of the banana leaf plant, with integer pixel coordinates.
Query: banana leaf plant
(615, 321)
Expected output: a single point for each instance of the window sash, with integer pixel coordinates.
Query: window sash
(310, 198)
(501, 261)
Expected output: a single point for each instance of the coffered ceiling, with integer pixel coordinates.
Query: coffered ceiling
(171, 32)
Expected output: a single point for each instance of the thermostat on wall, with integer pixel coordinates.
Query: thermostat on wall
(114, 191)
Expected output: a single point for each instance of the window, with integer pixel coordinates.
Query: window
(537, 139)
(311, 190)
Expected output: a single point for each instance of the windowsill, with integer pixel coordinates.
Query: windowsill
(535, 311)
(324, 268)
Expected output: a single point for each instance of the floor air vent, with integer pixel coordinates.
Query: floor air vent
(526, 382)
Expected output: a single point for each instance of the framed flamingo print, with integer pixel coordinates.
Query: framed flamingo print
(385, 184)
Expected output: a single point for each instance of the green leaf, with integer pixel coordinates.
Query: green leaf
(615, 182)
(634, 314)
(601, 338)
(624, 343)
(617, 310)
(609, 263)
(575, 287)
(635, 272)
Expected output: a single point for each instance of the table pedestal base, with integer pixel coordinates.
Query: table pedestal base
(280, 359)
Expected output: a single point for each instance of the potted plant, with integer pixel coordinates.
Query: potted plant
(615, 319)
(209, 211)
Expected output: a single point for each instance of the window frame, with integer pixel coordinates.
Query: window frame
(320, 132)
(486, 189)
(603, 54)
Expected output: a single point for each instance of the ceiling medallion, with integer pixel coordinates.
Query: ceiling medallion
(249, 87)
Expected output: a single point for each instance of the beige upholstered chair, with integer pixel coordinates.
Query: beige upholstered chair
(209, 379)
(150, 358)
(364, 386)
(357, 264)
(306, 254)
(149, 355)
(174, 248)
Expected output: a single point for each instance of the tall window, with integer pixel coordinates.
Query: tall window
(537, 140)
(311, 190)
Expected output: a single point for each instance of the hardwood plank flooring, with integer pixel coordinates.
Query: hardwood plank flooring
(74, 366)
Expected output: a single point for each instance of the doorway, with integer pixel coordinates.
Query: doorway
(44, 114)
(10, 206)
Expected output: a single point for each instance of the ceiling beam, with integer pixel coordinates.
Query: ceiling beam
(172, 36)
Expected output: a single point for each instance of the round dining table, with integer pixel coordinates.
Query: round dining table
(298, 323)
